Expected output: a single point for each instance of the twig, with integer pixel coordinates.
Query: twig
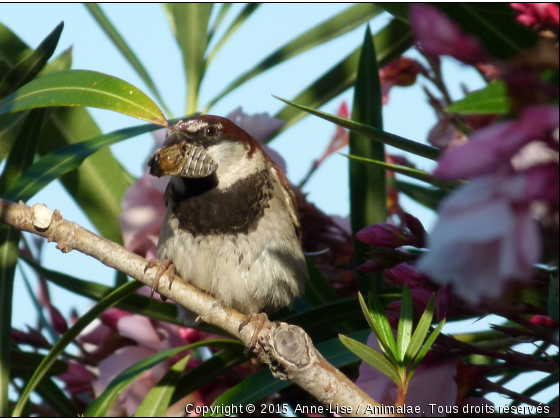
(490, 386)
(287, 349)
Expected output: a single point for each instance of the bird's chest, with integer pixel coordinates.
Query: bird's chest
(205, 210)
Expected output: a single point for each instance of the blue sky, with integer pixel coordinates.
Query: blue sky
(145, 28)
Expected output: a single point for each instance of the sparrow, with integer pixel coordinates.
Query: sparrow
(232, 226)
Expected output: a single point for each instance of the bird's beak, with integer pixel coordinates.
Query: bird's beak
(183, 159)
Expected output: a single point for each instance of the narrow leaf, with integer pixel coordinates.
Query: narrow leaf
(22, 153)
(371, 357)
(28, 68)
(125, 49)
(55, 164)
(224, 9)
(404, 170)
(69, 337)
(373, 133)
(404, 332)
(84, 88)
(427, 196)
(492, 99)
(368, 196)
(382, 327)
(336, 26)
(60, 63)
(54, 397)
(390, 43)
(245, 13)
(318, 290)
(420, 333)
(191, 23)
(425, 349)
(103, 403)
(156, 403)
(9, 240)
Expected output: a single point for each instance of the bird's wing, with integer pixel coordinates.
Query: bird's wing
(290, 202)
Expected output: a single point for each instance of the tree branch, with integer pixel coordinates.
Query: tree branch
(287, 349)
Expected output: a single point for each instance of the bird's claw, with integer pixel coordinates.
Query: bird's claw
(259, 320)
(162, 268)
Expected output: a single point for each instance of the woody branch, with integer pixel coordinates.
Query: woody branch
(287, 349)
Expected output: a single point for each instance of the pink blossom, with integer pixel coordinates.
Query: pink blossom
(491, 149)
(537, 15)
(401, 72)
(484, 237)
(432, 383)
(386, 235)
(439, 35)
(446, 135)
(57, 320)
(77, 378)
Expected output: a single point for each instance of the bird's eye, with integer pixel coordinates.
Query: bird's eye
(211, 131)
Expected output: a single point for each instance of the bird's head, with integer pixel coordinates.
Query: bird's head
(204, 145)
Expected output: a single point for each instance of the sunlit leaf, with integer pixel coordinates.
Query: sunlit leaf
(427, 196)
(84, 88)
(156, 403)
(382, 329)
(425, 349)
(492, 99)
(125, 49)
(191, 25)
(372, 357)
(404, 331)
(420, 333)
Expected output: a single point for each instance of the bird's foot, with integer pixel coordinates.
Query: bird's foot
(258, 320)
(162, 268)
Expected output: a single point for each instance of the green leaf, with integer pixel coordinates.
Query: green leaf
(492, 99)
(262, 383)
(236, 24)
(382, 328)
(53, 165)
(336, 26)
(224, 9)
(207, 371)
(494, 24)
(404, 170)
(103, 403)
(368, 195)
(404, 332)
(553, 305)
(10, 125)
(69, 337)
(390, 43)
(22, 154)
(398, 10)
(84, 88)
(427, 196)
(373, 133)
(9, 240)
(28, 68)
(425, 349)
(60, 63)
(125, 50)
(11, 46)
(191, 24)
(156, 403)
(23, 362)
(420, 333)
(373, 358)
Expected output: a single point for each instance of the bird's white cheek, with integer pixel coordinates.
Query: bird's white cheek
(234, 163)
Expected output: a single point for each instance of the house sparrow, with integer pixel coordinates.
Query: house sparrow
(232, 225)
